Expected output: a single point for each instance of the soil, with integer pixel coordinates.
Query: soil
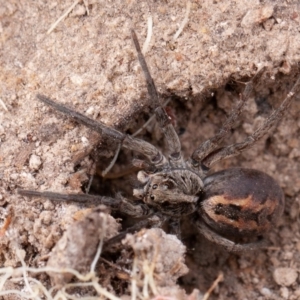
(88, 62)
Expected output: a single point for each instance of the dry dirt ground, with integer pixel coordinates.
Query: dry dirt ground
(199, 52)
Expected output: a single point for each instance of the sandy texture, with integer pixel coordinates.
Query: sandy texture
(89, 62)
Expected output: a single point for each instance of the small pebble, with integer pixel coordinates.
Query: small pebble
(34, 162)
(85, 141)
(257, 16)
(76, 79)
(78, 11)
(266, 292)
(284, 292)
(288, 255)
(285, 276)
(48, 205)
(46, 217)
(90, 110)
(255, 280)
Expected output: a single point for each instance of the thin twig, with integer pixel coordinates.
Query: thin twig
(99, 249)
(149, 35)
(112, 163)
(53, 26)
(213, 286)
(184, 22)
(3, 105)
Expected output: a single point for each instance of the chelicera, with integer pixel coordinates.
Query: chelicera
(226, 207)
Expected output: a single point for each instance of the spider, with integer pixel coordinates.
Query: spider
(226, 207)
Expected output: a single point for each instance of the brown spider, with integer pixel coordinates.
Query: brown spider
(225, 207)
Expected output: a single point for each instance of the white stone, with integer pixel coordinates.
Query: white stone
(34, 162)
(285, 276)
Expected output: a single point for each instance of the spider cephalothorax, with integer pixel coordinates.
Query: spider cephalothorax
(225, 206)
(174, 191)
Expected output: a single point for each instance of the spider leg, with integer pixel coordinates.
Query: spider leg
(162, 117)
(175, 228)
(226, 243)
(236, 149)
(208, 146)
(213, 143)
(127, 141)
(120, 204)
(153, 221)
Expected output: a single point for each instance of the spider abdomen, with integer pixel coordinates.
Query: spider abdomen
(241, 202)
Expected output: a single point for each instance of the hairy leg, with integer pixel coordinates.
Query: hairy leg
(213, 143)
(120, 204)
(210, 145)
(127, 141)
(226, 243)
(161, 115)
(174, 227)
(236, 149)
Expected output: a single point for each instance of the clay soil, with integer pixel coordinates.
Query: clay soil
(88, 62)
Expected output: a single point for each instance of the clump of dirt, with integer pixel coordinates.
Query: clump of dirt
(78, 246)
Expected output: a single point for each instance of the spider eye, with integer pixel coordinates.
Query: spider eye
(154, 186)
(152, 197)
